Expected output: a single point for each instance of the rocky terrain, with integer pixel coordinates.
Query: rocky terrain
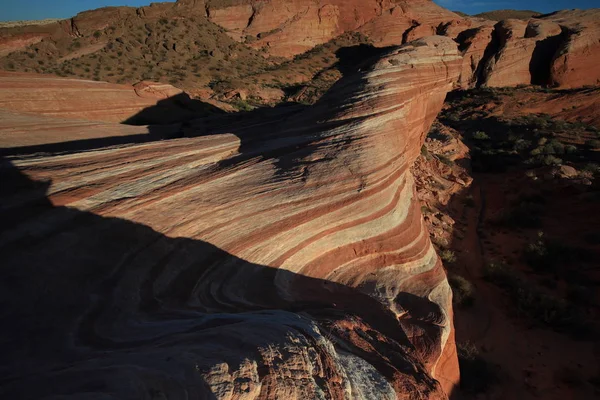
(250, 53)
(330, 289)
(239, 199)
(513, 213)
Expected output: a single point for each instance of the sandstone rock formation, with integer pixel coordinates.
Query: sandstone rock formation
(474, 43)
(95, 101)
(515, 41)
(280, 28)
(576, 61)
(267, 259)
(556, 50)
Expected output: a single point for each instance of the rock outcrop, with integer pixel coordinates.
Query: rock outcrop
(279, 28)
(284, 28)
(141, 104)
(557, 50)
(515, 42)
(576, 61)
(267, 259)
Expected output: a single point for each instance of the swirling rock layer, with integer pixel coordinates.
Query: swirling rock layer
(270, 259)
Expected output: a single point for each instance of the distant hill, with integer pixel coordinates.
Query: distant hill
(462, 14)
(11, 24)
(499, 15)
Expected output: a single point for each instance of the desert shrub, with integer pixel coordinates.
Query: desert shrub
(463, 291)
(535, 304)
(242, 105)
(570, 149)
(525, 214)
(520, 145)
(545, 255)
(476, 374)
(593, 143)
(591, 167)
(545, 160)
(97, 34)
(480, 135)
(445, 160)
(448, 256)
(163, 21)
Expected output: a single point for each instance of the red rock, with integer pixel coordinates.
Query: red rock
(578, 57)
(288, 28)
(11, 43)
(271, 258)
(73, 98)
(517, 41)
(473, 43)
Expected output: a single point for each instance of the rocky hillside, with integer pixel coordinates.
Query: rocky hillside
(257, 257)
(251, 53)
(499, 15)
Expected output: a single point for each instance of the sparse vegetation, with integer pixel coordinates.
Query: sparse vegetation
(477, 374)
(534, 303)
(448, 256)
(463, 291)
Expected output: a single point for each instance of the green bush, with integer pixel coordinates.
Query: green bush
(97, 34)
(463, 291)
(548, 255)
(593, 143)
(448, 256)
(445, 160)
(534, 303)
(480, 135)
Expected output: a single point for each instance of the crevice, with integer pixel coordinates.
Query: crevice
(491, 52)
(406, 33)
(544, 54)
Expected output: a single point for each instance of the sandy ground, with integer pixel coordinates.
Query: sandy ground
(533, 363)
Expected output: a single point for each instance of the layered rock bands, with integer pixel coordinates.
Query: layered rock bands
(283, 258)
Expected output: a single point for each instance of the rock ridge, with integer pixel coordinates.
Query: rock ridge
(270, 259)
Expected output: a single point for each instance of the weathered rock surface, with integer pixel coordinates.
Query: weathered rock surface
(144, 103)
(516, 42)
(280, 28)
(557, 50)
(576, 61)
(473, 44)
(268, 259)
(287, 28)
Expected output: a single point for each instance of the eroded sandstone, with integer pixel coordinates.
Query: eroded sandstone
(272, 258)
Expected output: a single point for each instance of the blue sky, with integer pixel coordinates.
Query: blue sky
(41, 9)
(544, 6)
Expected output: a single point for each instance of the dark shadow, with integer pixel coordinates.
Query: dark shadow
(99, 305)
(505, 204)
(491, 51)
(356, 58)
(542, 57)
(175, 109)
(165, 120)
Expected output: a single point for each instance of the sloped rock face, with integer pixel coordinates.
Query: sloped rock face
(516, 41)
(474, 43)
(288, 28)
(576, 61)
(270, 259)
(141, 104)
(73, 98)
(557, 50)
